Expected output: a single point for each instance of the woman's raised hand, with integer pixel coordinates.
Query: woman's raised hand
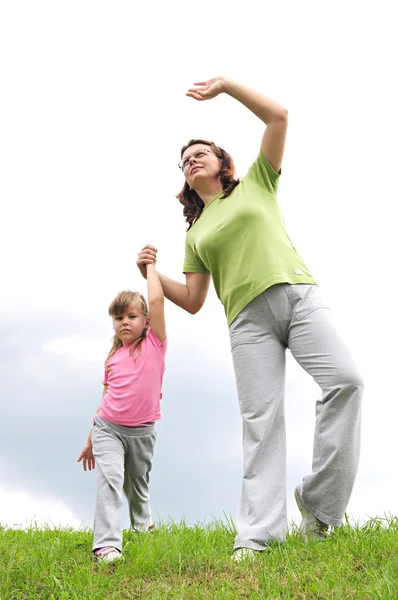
(205, 90)
(146, 256)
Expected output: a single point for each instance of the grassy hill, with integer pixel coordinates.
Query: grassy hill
(177, 561)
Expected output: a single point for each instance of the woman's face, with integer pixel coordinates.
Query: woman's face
(200, 164)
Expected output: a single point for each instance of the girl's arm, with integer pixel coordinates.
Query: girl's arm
(271, 113)
(190, 296)
(156, 303)
(86, 455)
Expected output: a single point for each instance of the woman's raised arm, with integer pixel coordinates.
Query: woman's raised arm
(270, 112)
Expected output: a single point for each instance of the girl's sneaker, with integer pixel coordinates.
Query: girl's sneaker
(107, 555)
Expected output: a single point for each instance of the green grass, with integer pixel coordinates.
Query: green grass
(177, 561)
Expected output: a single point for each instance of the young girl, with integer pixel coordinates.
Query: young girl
(122, 440)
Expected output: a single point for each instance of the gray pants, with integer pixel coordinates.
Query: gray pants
(294, 317)
(123, 457)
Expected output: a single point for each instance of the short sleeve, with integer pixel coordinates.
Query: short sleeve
(155, 341)
(192, 262)
(263, 173)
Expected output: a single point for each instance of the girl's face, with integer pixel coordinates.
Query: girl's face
(199, 163)
(130, 325)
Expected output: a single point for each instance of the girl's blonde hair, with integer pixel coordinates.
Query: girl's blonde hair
(117, 308)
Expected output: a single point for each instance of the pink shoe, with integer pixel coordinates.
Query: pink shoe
(108, 554)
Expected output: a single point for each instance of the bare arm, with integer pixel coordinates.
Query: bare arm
(190, 296)
(156, 303)
(86, 455)
(271, 113)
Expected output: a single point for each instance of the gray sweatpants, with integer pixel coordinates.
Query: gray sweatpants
(294, 317)
(123, 457)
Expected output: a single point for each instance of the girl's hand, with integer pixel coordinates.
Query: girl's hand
(87, 457)
(207, 89)
(146, 256)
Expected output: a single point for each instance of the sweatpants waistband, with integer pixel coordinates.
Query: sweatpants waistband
(122, 430)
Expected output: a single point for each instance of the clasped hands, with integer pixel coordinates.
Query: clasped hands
(146, 256)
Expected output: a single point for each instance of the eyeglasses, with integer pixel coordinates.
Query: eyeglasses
(196, 155)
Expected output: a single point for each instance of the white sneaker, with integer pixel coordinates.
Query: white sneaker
(311, 528)
(243, 554)
(108, 555)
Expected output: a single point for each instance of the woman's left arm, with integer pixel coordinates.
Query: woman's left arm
(271, 113)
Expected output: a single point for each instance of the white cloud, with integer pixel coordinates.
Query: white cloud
(79, 348)
(21, 510)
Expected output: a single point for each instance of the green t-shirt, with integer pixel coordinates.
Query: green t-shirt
(242, 241)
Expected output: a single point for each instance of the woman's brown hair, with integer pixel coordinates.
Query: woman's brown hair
(191, 201)
(117, 308)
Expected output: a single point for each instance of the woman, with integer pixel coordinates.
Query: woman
(236, 235)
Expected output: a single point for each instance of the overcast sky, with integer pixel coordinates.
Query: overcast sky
(93, 116)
